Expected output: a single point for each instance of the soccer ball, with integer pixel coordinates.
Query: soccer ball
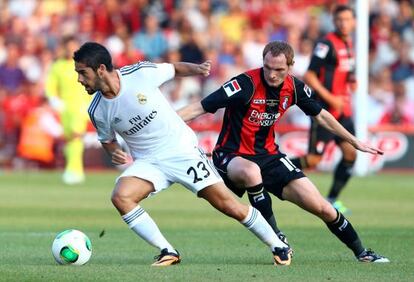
(72, 247)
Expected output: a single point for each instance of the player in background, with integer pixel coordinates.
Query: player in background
(331, 74)
(246, 154)
(164, 149)
(66, 97)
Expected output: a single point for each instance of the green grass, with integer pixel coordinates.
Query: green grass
(35, 206)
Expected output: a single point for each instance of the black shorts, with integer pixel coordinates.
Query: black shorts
(277, 171)
(319, 137)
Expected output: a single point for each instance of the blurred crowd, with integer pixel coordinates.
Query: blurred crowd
(231, 33)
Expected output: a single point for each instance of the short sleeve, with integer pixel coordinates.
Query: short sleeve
(105, 133)
(237, 90)
(323, 53)
(153, 74)
(305, 99)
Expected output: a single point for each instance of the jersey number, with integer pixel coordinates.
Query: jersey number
(201, 166)
(288, 163)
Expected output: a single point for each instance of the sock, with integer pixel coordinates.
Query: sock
(345, 232)
(260, 200)
(300, 162)
(142, 224)
(256, 223)
(74, 157)
(342, 174)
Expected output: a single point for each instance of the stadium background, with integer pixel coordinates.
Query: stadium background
(230, 33)
(35, 205)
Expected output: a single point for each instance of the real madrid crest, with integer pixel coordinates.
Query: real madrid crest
(142, 99)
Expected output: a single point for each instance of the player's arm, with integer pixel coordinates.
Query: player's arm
(188, 69)
(325, 119)
(191, 111)
(118, 157)
(237, 90)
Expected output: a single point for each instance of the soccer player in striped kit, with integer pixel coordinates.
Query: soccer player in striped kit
(246, 154)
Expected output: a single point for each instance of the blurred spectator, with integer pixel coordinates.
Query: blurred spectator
(39, 129)
(11, 75)
(233, 22)
(68, 97)
(151, 41)
(401, 110)
(231, 33)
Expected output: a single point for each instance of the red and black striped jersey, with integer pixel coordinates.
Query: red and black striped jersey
(334, 63)
(252, 108)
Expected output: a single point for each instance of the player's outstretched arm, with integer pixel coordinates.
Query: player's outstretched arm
(325, 119)
(187, 69)
(191, 111)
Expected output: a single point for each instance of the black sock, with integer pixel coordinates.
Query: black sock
(342, 174)
(300, 162)
(260, 199)
(343, 229)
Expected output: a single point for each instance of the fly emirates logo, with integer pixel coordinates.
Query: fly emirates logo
(139, 123)
(263, 119)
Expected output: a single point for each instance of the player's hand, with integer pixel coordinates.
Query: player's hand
(338, 103)
(367, 148)
(204, 68)
(119, 157)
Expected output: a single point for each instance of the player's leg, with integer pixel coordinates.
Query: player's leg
(221, 198)
(303, 193)
(343, 170)
(129, 191)
(74, 127)
(246, 174)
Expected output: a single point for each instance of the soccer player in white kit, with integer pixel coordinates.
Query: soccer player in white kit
(164, 149)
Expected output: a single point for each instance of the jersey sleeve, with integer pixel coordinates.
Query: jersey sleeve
(323, 53)
(105, 133)
(153, 74)
(238, 90)
(305, 99)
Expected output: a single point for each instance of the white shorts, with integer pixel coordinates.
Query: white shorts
(193, 170)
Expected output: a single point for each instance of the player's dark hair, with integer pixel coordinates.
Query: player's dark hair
(342, 8)
(93, 54)
(280, 47)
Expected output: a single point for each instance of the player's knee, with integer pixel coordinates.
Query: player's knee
(313, 160)
(119, 198)
(350, 156)
(326, 212)
(248, 173)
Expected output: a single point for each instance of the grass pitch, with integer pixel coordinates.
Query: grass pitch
(35, 206)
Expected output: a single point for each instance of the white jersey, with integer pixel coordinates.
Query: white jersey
(141, 114)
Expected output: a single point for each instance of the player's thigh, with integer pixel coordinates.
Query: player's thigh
(243, 172)
(193, 169)
(73, 123)
(304, 193)
(142, 179)
(277, 172)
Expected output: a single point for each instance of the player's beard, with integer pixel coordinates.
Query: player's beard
(91, 89)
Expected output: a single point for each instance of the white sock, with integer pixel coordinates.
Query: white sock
(256, 223)
(141, 223)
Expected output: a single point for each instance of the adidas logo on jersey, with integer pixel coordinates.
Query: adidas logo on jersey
(117, 120)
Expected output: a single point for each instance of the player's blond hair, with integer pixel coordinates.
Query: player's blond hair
(280, 47)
